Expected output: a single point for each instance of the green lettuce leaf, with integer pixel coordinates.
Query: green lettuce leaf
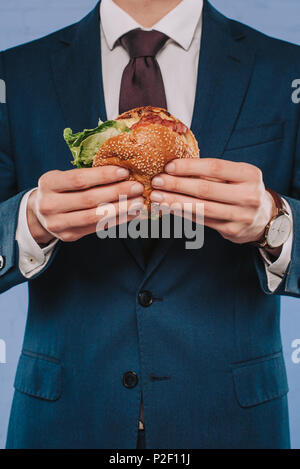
(85, 145)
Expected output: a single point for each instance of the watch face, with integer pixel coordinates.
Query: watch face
(279, 231)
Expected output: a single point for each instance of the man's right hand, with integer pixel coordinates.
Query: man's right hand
(65, 204)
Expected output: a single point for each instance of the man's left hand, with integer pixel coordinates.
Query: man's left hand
(236, 202)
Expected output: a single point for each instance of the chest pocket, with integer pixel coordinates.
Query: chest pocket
(254, 136)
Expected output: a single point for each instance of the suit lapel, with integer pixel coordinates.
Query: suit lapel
(161, 248)
(134, 246)
(225, 69)
(77, 73)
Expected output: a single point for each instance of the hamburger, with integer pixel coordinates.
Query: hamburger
(143, 140)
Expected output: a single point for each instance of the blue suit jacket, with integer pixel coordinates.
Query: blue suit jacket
(208, 351)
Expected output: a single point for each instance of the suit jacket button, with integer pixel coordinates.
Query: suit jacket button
(145, 298)
(130, 379)
(2, 262)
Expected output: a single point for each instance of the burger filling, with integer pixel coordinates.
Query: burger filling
(85, 145)
(155, 119)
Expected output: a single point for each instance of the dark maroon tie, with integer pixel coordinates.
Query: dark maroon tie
(142, 83)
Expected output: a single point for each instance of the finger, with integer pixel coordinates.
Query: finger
(90, 198)
(75, 234)
(200, 188)
(79, 179)
(215, 168)
(214, 210)
(63, 222)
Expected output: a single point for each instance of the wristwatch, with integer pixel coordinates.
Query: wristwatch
(279, 227)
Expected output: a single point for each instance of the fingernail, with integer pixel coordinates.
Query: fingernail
(136, 206)
(157, 181)
(137, 188)
(156, 196)
(122, 172)
(170, 167)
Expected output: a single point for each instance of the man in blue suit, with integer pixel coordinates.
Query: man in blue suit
(182, 350)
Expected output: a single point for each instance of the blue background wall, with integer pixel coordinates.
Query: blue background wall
(23, 20)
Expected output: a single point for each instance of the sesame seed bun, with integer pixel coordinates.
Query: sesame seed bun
(155, 139)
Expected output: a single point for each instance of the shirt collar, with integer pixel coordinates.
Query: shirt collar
(179, 24)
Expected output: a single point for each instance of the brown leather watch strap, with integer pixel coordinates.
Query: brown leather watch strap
(280, 210)
(278, 200)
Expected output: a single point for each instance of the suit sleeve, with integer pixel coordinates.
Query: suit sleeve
(290, 284)
(10, 197)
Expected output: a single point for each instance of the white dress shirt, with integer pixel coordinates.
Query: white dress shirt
(183, 25)
(178, 59)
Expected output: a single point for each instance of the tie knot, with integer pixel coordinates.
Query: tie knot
(140, 43)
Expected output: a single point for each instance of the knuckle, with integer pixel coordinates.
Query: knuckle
(257, 173)
(105, 210)
(244, 170)
(207, 211)
(204, 188)
(253, 199)
(91, 218)
(230, 231)
(87, 199)
(251, 172)
(231, 215)
(43, 181)
(52, 226)
(44, 207)
(176, 183)
(78, 180)
(215, 166)
(248, 219)
(68, 237)
(169, 198)
(122, 189)
(46, 178)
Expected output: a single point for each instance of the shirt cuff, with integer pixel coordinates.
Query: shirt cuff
(275, 271)
(32, 258)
